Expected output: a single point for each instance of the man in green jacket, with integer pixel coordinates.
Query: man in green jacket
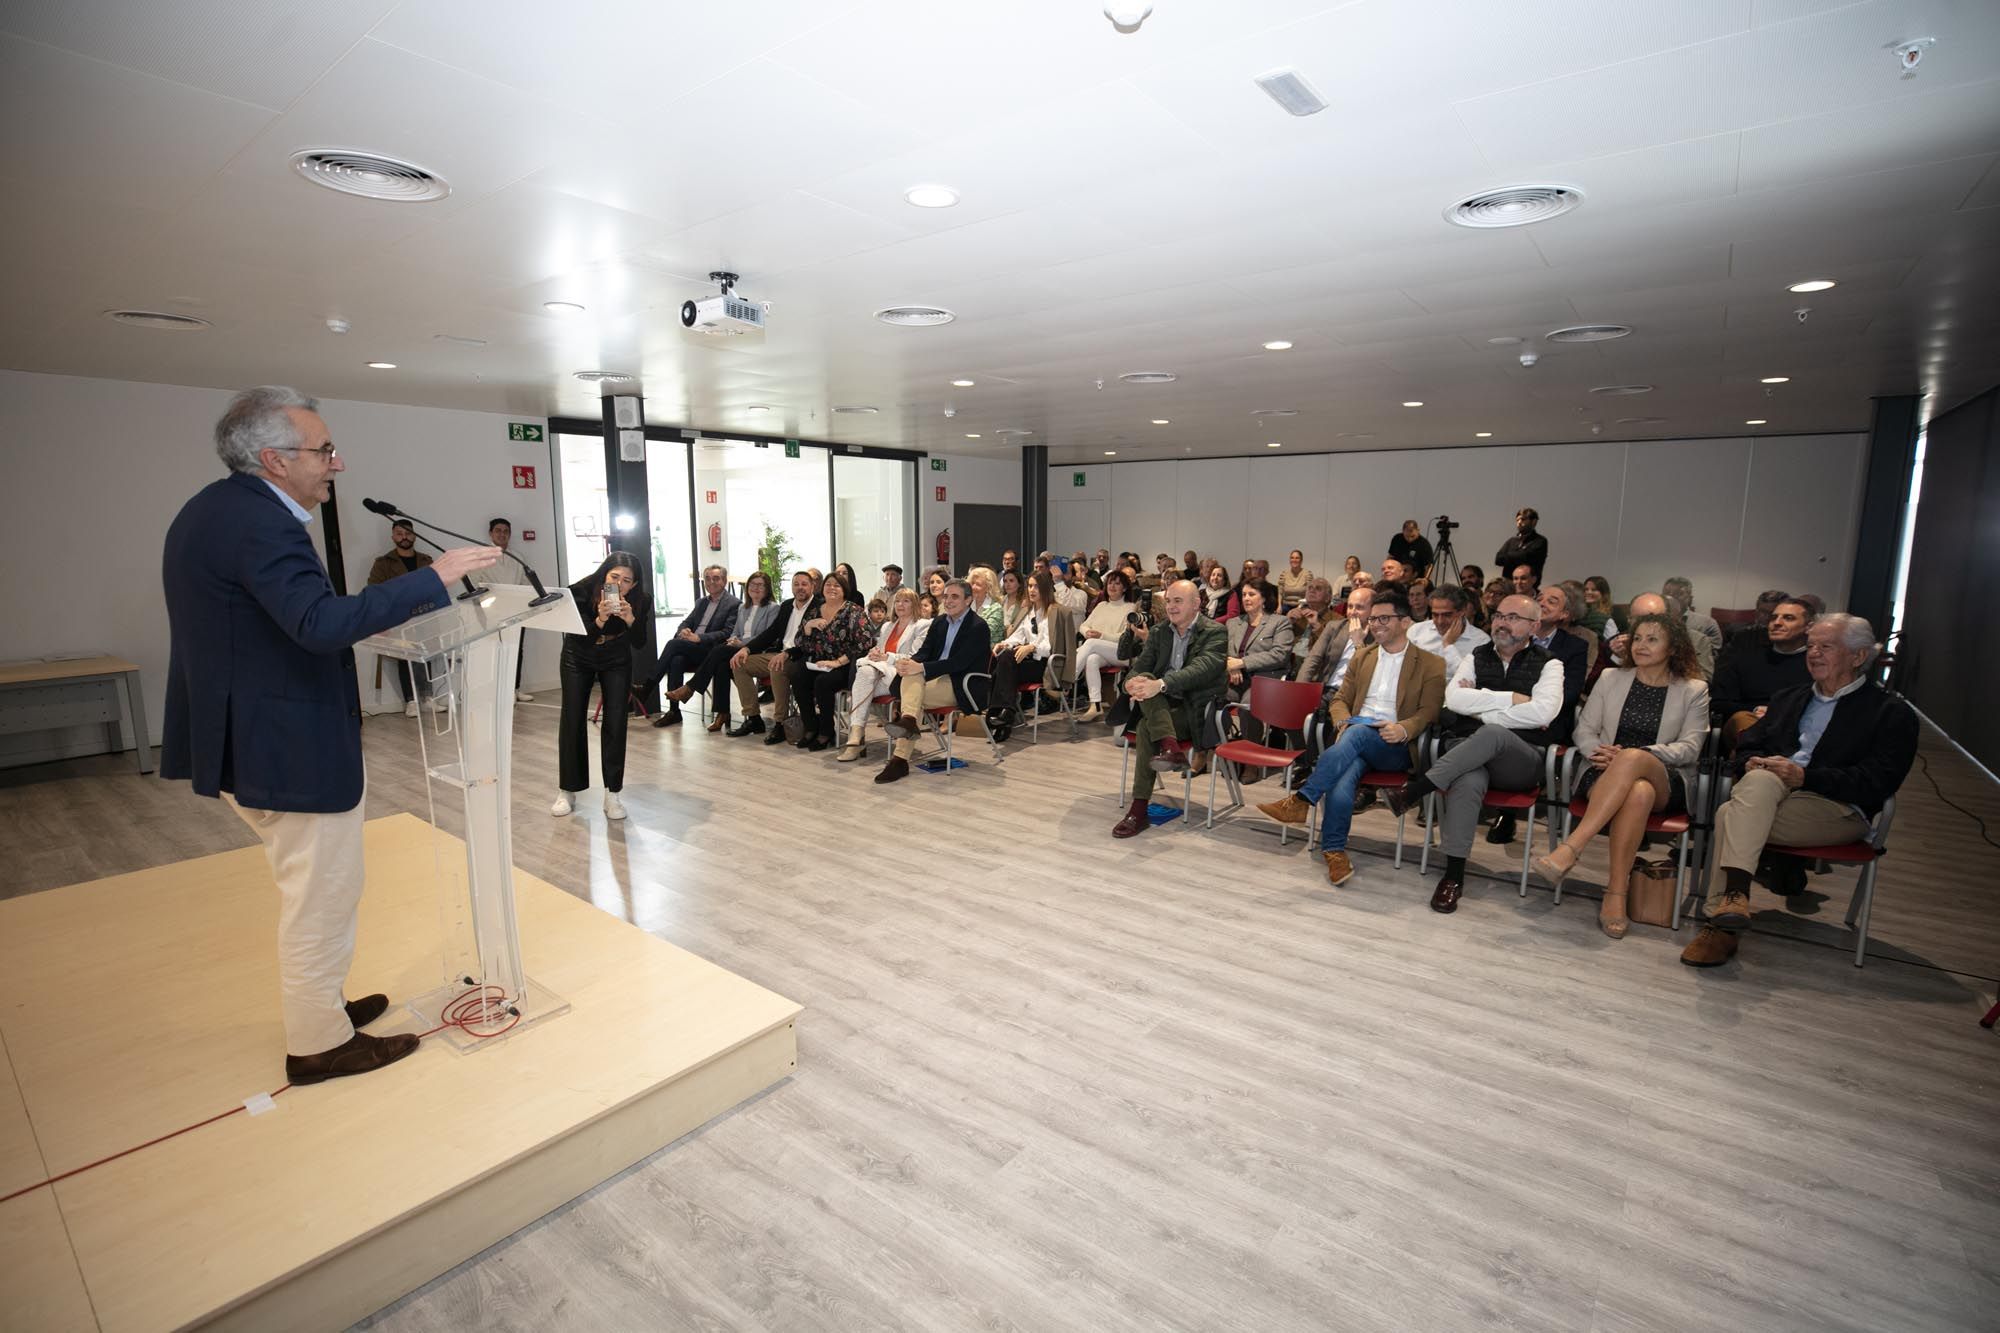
(1178, 672)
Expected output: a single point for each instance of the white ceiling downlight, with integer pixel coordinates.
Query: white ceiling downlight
(157, 319)
(1813, 285)
(562, 307)
(1776, 379)
(1514, 205)
(1482, 435)
(962, 384)
(1277, 345)
(1756, 421)
(1505, 340)
(369, 175)
(931, 196)
(605, 376)
(757, 407)
(1639, 421)
(856, 410)
(1012, 430)
(1273, 412)
(381, 365)
(1622, 390)
(1588, 333)
(1148, 377)
(1289, 89)
(914, 316)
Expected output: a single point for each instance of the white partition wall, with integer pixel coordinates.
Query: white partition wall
(1735, 515)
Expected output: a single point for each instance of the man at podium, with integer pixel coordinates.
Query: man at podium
(262, 705)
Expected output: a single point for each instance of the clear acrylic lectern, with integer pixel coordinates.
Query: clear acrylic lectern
(468, 647)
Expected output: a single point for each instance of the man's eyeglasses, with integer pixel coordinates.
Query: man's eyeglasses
(327, 453)
(1514, 616)
(1387, 618)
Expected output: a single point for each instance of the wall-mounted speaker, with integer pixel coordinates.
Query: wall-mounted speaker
(626, 414)
(632, 446)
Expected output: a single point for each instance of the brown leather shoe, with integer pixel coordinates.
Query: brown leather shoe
(359, 1054)
(1134, 823)
(718, 722)
(670, 718)
(1294, 809)
(1338, 868)
(681, 694)
(1732, 913)
(897, 767)
(367, 1009)
(1171, 757)
(1445, 897)
(902, 727)
(1398, 801)
(1709, 948)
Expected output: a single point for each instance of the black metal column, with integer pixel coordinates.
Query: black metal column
(625, 491)
(1885, 498)
(1034, 501)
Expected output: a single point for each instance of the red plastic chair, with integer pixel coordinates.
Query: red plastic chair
(1516, 802)
(1281, 705)
(1867, 854)
(1682, 827)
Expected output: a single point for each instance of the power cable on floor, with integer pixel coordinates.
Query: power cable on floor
(1924, 763)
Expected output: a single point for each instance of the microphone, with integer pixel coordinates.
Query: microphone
(389, 509)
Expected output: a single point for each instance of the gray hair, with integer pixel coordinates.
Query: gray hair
(964, 587)
(1681, 588)
(1855, 634)
(257, 419)
(1572, 595)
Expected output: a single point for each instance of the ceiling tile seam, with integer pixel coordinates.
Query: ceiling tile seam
(300, 96)
(144, 74)
(1884, 100)
(1973, 191)
(1131, 86)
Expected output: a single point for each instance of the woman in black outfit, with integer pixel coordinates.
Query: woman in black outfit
(822, 662)
(615, 611)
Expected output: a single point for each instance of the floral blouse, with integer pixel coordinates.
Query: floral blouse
(849, 636)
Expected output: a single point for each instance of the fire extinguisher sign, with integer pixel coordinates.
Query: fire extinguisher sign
(524, 478)
(940, 492)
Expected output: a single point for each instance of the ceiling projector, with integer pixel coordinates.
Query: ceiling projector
(725, 313)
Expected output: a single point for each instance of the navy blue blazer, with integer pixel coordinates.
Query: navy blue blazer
(719, 628)
(1574, 654)
(971, 651)
(261, 695)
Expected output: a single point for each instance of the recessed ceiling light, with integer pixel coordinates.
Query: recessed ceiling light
(1812, 285)
(1162, 421)
(757, 407)
(1514, 205)
(857, 410)
(1149, 377)
(1288, 88)
(961, 384)
(1776, 379)
(369, 175)
(1012, 430)
(915, 316)
(156, 319)
(1414, 402)
(1111, 453)
(1482, 435)
(1507, 340)
(562, 307)
(1588, 333)
(1622, 390)
(1639, 421)
(381, 365)
(1277, 345)
(971, 437)
(1275, 444)
(931, 196)
(604, 376)
(1273, 412)
(1756, 421)
(456, 341)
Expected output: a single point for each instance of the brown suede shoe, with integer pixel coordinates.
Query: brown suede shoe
(367, 1009)
(1294, 809)
(1445, 897)
(1134, 823)
(359, 1054)
(902, 727)
(1338, 868)
(718, 722)
(1732, 913)
(1709, 948)
(897, 767)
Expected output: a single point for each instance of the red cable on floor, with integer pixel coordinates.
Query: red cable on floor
(473, 1006)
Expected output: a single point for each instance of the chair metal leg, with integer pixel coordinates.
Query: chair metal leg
(1430, 823)
(1864, 898)
(1124, 767)
(1399, 840)
(1527, 850)
(1681, 869)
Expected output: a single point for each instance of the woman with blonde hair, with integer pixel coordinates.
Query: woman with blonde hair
(900, 637)
(985, 600)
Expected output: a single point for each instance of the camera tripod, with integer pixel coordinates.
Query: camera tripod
(1444, 560)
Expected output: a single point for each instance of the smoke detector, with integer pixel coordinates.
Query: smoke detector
(157, 319)
(915, 316)
(1588, 333)
(369, 175)
(1514, 205)
(1910, 54)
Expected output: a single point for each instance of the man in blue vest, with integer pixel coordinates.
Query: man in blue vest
(262, 704)
(1501, 700)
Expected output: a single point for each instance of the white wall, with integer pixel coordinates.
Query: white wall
(1735, 515)
(96, 470)
(967, 480)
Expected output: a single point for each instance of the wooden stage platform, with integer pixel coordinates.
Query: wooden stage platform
(132, 1006)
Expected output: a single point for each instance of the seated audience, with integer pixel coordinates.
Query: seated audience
(1527, 546)
(1190, 564)
(1393, 692)
(1449, 633)
(878, 612)
(935, 578)
(1553, 633)
(1009, 559)
(1021, 658)
(1178, 670)
(1165, 569)
(1812, 772)
(1327, 661)
(1754, 668)
(1393, 571)
(711, 621)
(1641, 732)
(1292, 583)
(892, 582)
(899, 637)
(1525, 580)
(1216, 594)
(853, 582)
(821, 661)
(1653, 604)
(1767, 602)
(1502, 699)
(1411, 549)
(1101, 631)
(1489, 601)
(1596, 604)
(1308, 616)
(1578, 611)
(1072, 592)
(1420, 598)
(766, 655)
(753, 614)
(954, 647)
(986, 601)
(1260, 644)
(1350, 568)
(1473, 579)
(1101, 565)
(927, 607)
(1013, 600)
(1698, 623)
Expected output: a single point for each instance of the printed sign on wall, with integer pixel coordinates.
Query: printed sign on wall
(521, 432)
(524, 478)
(940, 491)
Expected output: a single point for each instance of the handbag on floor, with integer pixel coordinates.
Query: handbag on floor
(1650, 900)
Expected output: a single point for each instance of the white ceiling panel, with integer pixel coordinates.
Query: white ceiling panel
(789, 231)
(523, 234)
(81, 125)
(265, 54)
(1951, 122)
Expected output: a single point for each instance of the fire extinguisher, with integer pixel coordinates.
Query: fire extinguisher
(944, 547)
(715, 536)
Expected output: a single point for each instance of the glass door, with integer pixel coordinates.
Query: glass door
(584, 504)
(751, 498)
(676, 582)
(874, 517)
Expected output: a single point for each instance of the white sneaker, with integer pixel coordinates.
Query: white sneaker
(435, 704)
(410, 708)
(523, 697)
(613, 807)
(562, 804)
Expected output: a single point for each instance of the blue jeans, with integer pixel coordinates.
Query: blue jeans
(1338, 772)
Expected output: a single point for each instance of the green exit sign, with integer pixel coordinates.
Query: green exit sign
(522, 432)
(1076, 479)
(791, 448)
(937, 465)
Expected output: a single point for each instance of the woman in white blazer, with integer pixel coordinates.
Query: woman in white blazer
(1642, 731)
(900, 636)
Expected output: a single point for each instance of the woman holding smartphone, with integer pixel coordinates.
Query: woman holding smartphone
(615, 609)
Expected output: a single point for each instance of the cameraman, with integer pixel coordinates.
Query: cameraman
(1412, 549)
(1526, 547)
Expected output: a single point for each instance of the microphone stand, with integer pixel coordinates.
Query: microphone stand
(470, 590)
(542, 595)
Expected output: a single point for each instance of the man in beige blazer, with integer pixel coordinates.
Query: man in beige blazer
(1392, 691)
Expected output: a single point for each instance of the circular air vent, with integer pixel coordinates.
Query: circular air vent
(369, 175)
(1149, 377)
(855, 410)
(1588, 333)
(1514, 206)
(1622, 390)
(156, 319)
(915, 316)
(605, 376)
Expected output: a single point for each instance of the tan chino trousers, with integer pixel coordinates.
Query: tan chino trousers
(914, 696)
(745, 676)
(1761, 810)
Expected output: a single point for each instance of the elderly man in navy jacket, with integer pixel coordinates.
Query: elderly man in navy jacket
(956, 646)
(262, 703)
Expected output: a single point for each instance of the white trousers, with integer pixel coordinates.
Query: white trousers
(870, 679)
(317, 863)
(1091, 659)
